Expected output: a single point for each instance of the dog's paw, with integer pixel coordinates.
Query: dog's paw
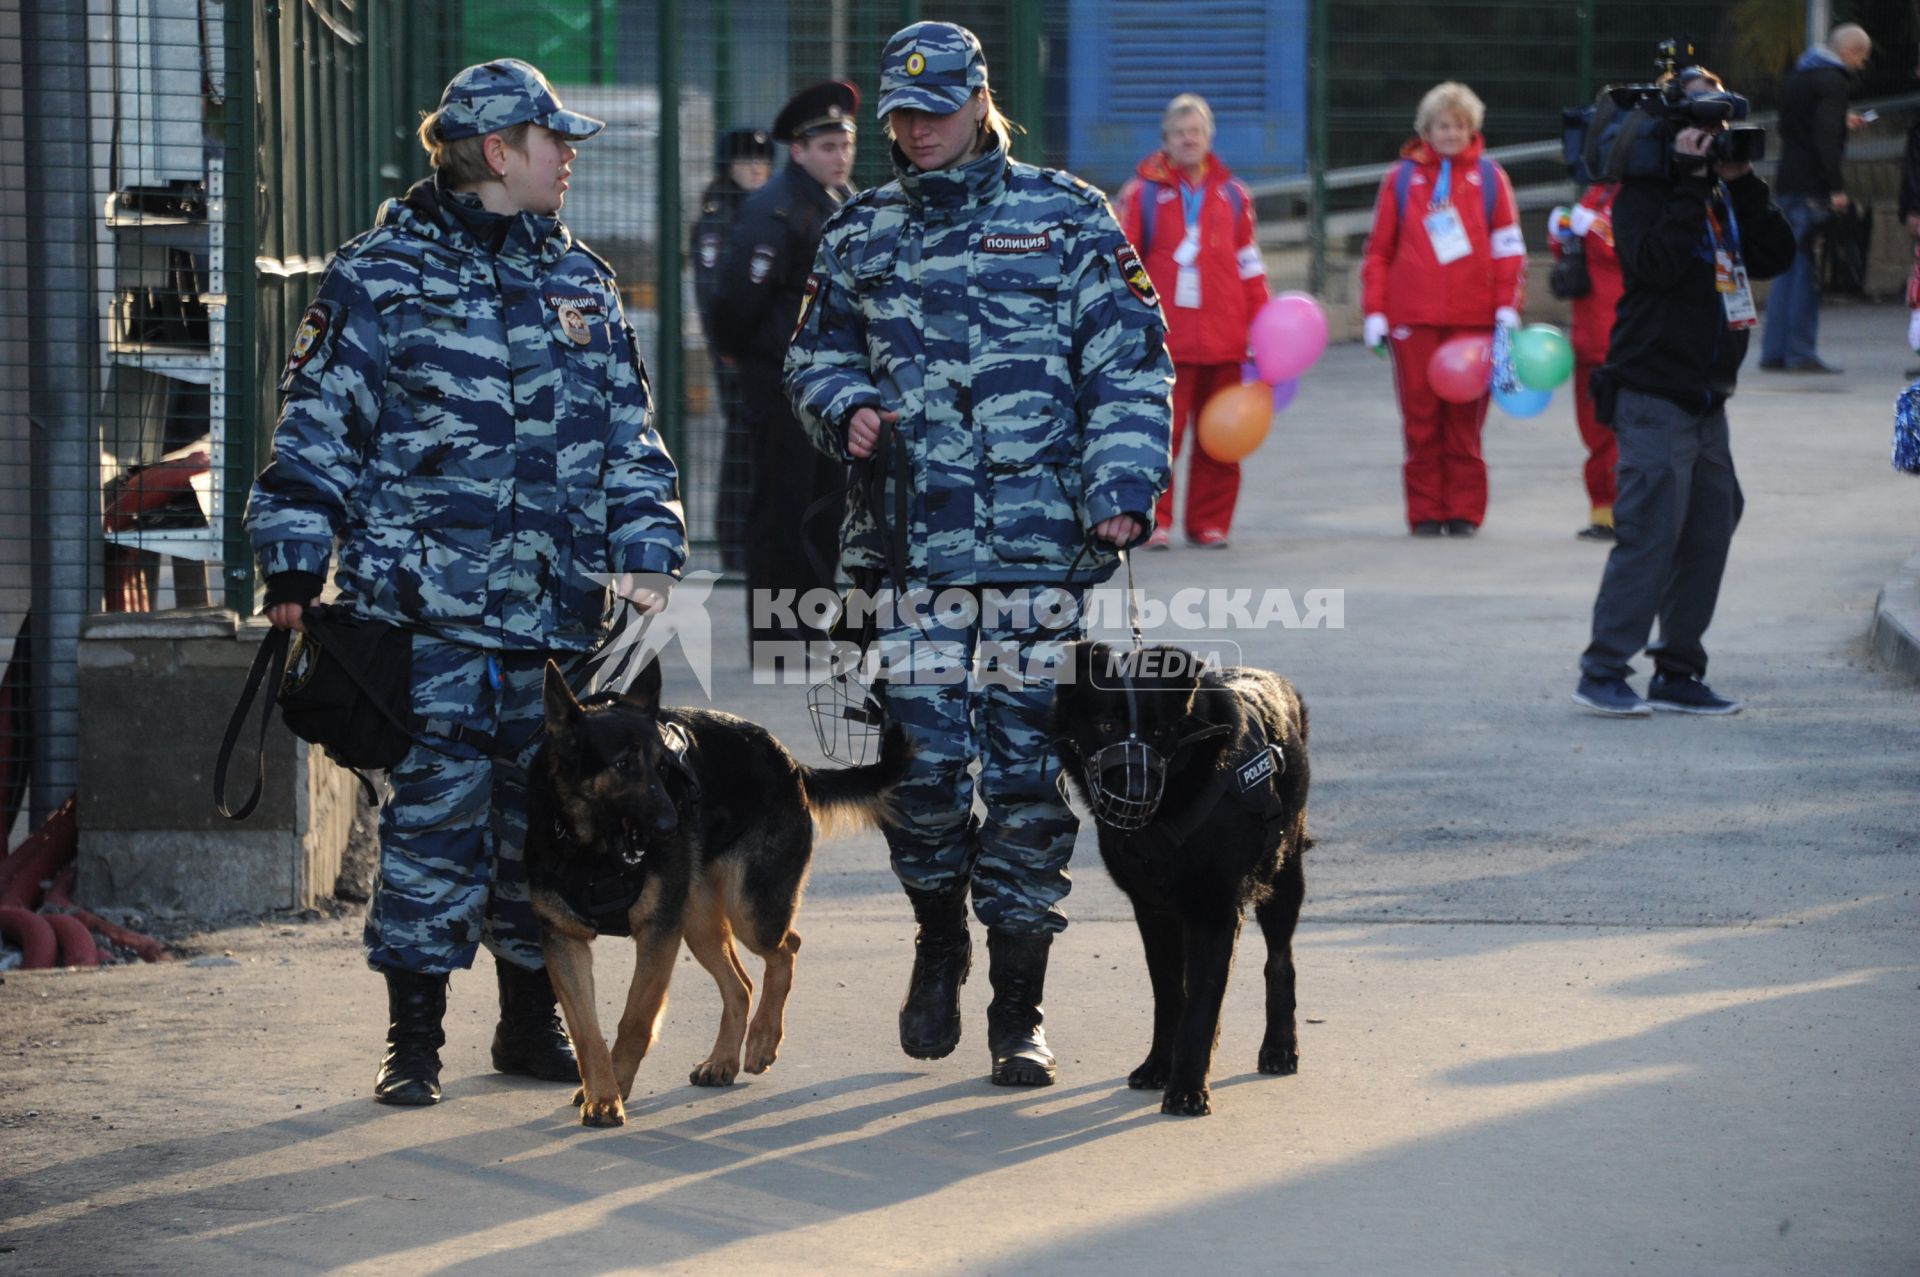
(761, 1055)
(1281, 1061)
(1182, 1103)
(607, 1112)
(1150, 1076)
(714, 1073)
(579, 1096)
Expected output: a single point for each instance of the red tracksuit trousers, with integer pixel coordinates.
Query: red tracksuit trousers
(1603, 448)
(1213, 486)
(1445, 475)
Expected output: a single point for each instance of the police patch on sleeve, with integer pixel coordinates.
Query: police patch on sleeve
(1136, 275)
(808, 298)
(312, 342)
(760, 265)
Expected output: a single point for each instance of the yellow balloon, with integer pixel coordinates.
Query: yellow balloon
(1236, 420)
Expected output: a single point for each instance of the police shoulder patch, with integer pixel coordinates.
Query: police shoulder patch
(1261, 768)
(312, 341)
(1139, 283)
(815, 286)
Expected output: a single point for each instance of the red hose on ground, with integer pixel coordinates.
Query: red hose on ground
(31, 932)
(60, 897)
(39, 857)
(76, 942)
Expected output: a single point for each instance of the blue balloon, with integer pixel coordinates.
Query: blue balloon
(1522, 402)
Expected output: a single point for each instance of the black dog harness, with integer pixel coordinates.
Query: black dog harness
(603, 893)
(1251, 779)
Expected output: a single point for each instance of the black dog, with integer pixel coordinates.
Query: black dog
(1198, 779)
(661, 824)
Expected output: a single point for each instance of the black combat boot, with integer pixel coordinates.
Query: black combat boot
(942, 956)
(530, 1039)
(410, 1074)
(1017, 969)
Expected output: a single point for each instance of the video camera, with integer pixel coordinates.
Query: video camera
(1630, 129)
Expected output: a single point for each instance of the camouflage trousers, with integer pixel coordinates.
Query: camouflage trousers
(978, 691)
(452, 830)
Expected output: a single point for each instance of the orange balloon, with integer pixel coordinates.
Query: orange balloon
(1236, 420)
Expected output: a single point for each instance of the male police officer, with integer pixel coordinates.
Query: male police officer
(754, 307)
(980, 331)
(742, 163)
(467, 417)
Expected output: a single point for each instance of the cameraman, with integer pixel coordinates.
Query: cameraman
(1689, 246)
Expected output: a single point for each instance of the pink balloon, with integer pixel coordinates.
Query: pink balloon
(1461, 369)
(1287, 336)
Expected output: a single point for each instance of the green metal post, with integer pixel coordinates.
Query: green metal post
(724, 108)
(1317, 151)
(241, 451)
(1026, 99)
(1587, 86)
(667, 402)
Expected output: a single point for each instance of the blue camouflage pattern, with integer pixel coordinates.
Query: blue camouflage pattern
(474, 430)
(1000, 311)
(451, 874)
(931, 66)
(496, 95)
(1016, 853)
(998, 308)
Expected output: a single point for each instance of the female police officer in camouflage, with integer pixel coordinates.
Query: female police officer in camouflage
(981, 330)
(467, 418)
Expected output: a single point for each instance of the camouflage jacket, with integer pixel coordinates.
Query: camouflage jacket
(999, 310)
(472, 428)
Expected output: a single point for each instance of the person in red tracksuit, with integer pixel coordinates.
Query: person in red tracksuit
(1589, 232)
(1445, 258)
(1192, 223)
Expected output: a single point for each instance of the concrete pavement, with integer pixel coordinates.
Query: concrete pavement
(1579, 995)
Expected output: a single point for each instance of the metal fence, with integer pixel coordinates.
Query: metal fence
(175, 174)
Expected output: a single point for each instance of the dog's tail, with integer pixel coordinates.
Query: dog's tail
(850, 798)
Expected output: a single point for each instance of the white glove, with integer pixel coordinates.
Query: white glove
(1913, 332)
(1507, 317)
(1376, 330)
(1582, 219)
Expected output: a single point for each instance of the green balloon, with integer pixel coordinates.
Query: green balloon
(1542, 357)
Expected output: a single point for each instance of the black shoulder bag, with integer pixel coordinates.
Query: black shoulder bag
(345, 688)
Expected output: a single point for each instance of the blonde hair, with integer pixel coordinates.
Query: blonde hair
(993, 124)
(1450, 97)
(463, 161)
(1186, 104)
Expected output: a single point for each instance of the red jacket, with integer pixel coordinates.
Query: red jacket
(1404, 281)
(1233, 276)
(1593, 314)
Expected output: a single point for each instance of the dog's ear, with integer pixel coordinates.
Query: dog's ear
(644, 695)
(562, 708)
(1080, 657)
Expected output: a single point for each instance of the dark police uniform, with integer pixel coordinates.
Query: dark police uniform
(706, 246)
(763, 277)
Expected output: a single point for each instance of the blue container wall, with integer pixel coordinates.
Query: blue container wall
(1127, 58)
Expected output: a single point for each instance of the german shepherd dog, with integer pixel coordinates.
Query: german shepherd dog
(663, 824)
(1197, 777)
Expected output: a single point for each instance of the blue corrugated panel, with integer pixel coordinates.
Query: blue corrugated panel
(1127, 58)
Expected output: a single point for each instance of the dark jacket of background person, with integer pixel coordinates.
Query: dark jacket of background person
(1670, 334)
(1813, 127)
(1910, 175)
(707, 242)
(763, 274)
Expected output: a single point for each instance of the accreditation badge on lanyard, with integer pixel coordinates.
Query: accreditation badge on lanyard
(1444, 229)
(1186, 285)
(1729, 271)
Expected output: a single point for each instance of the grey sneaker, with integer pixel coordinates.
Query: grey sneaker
(1610, 696)
(1687, 696)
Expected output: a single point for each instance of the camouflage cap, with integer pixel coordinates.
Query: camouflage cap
(499, 94)
(931, 66)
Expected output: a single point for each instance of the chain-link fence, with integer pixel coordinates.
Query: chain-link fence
(177, 173)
